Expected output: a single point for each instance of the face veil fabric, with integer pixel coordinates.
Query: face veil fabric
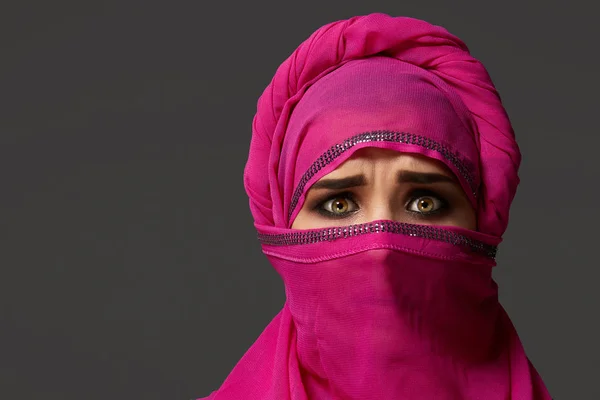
(384, 309)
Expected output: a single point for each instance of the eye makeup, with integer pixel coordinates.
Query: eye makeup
(441, 203)
(325, 204)
(319, 205)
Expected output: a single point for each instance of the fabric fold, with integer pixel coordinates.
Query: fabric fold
(383, 309)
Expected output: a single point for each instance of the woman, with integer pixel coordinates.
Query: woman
(380, 175)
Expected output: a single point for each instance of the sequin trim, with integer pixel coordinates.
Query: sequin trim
(402, 228)
(383, 136)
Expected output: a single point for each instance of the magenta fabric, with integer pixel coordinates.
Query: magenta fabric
(377, 94)
(384, 310)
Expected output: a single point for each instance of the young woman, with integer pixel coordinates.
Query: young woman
(380, 175)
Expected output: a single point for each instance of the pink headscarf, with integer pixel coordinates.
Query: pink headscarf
(383, 310)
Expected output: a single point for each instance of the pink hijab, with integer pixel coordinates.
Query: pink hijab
(382, 310)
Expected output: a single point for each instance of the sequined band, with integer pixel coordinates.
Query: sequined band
(422, 231)
(382, 136)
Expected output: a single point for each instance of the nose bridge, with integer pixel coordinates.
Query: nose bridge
(380, 170)
(380, 206)
(381, 211)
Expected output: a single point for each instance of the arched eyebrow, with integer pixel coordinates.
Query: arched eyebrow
(403, 177)
(341, 183)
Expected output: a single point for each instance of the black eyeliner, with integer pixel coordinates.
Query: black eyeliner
(318, 207)
(419, 193)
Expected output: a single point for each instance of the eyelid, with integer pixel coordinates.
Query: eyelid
(421, 193)
(320, 203)
(350, 201)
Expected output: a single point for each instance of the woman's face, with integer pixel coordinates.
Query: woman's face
(381, 184)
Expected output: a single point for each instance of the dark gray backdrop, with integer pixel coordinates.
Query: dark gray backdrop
(129, 266)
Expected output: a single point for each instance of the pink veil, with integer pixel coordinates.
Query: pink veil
(384, 309)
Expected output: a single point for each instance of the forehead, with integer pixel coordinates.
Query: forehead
(377, 160)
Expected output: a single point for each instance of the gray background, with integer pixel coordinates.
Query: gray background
(129, 264)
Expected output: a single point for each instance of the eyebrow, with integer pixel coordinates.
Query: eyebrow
(341, 183)
(403, 177)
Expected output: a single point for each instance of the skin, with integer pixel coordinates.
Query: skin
(381, 184)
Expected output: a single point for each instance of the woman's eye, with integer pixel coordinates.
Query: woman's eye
(339, 206)
(425, 205)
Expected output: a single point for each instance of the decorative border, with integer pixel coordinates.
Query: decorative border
(382, 136)
(402, 228)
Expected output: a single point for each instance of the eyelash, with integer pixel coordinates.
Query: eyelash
(414, 195)
(343, 195)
